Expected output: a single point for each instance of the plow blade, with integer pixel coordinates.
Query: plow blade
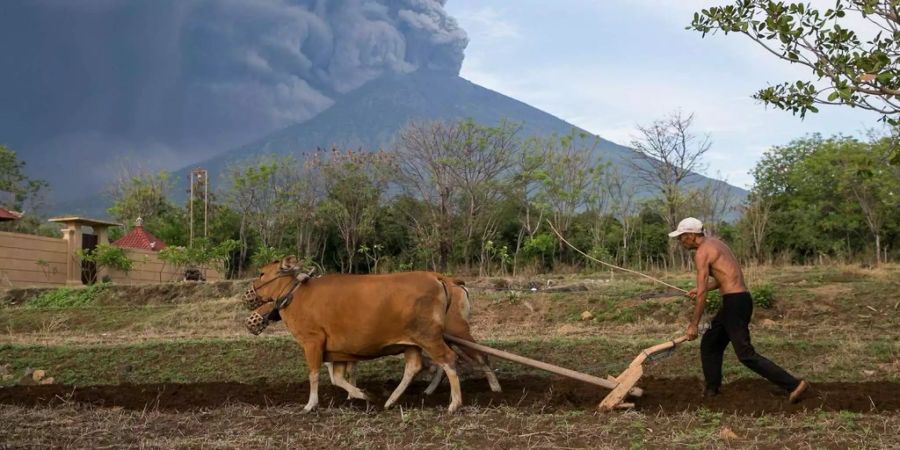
(630, 376)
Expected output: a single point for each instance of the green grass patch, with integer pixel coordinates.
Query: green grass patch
(68, 297)
(86, 320)
(279, 359)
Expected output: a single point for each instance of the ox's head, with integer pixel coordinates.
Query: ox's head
(274, 281)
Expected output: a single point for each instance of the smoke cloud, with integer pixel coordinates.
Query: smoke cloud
(176, 81)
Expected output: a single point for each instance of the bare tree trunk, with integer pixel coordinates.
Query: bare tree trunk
(444, 246)
(877, 249)
(243, 237)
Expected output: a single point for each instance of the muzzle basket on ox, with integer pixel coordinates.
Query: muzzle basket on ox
(251, 300)
(256, 323)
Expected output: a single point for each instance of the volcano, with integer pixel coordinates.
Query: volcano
(369, 118)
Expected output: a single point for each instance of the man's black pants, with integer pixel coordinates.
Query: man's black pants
(731, 325)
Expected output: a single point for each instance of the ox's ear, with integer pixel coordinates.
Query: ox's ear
(288, 263)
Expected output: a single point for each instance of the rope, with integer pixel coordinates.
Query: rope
(611, 265)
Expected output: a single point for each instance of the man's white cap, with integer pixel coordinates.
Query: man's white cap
(689, 225)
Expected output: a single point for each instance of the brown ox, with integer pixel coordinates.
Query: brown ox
(457, 324)
(341, 318)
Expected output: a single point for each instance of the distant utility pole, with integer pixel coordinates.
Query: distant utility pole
(199, 182)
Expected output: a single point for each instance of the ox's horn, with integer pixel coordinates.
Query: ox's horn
(304, 277)
(289, 263)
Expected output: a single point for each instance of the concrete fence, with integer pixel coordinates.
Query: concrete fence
(28, 260)
(148, 268)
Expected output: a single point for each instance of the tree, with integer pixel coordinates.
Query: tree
(828, 197)
(852, 65)
(272, 200)
(524, 186)
(138, 193)
(301, 207)
(479, 164)
(624, 206)
(460, 169)
(712, 202)
(24, 192)
(570, 171)
(354, 184)
(424, 149)
(599, 208)
(795, 208)
(756, 216)
(668, 152)
(863, 179)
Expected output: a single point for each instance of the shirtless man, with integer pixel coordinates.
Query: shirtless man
(714, 258)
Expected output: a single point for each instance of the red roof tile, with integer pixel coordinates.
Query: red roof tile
(140, 238)
(6, 214)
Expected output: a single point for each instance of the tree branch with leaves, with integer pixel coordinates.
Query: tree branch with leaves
(851, 64)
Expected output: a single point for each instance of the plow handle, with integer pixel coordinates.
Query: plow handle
(657, 348)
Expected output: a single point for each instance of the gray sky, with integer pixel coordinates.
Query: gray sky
(609, 65)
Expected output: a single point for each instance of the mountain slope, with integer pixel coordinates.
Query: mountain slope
(370, 117)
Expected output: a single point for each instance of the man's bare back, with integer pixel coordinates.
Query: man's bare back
(722, 266)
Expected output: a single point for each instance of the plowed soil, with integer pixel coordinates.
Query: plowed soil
(745, 396)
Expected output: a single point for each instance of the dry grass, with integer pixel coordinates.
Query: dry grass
(835, 323)
(241, 426)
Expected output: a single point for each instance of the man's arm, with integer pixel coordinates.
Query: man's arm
(700, 261)
(711, 285)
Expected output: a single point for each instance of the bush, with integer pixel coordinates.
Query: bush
(68, 297)
(109, 256)
(265, 255)
(540, 246)
(764, 296)
(200, 256)
(713, 301)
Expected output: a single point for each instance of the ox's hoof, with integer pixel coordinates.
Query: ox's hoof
(358, 396)
(453, 407)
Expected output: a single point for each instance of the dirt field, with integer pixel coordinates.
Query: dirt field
(171, 367)
(745, 396)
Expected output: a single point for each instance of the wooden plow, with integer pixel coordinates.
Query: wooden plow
(621, 386)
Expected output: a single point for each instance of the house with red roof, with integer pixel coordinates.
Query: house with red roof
(140, 238)
(7, 215)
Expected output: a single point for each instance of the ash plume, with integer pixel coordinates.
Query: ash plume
(177, 81)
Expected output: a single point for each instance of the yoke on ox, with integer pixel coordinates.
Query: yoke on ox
(347, 318)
